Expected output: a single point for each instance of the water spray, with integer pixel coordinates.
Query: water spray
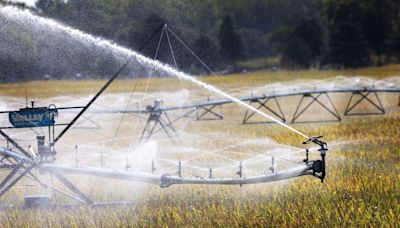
(24, 162)
(13, 12)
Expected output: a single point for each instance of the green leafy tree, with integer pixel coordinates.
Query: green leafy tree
(377, 26)
(231, 47)
(141, 37)
(207, 52)
(394, 37)
(311, 34)
(348, 46)
(294, 52)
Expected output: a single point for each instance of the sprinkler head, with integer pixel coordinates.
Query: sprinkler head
(318, 166)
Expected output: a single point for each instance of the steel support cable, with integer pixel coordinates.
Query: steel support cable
(109, 107)
(230, 146)
(105, 106)
(191, 51)
(124, 113)
(171, 49)
(195, 55)
(155, 58)
(189, 118)
(223, 139)
(172, 52)
(215, 152)
(238, 145)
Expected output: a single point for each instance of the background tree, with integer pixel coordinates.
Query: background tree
(139, 36)
(377, 26)
(347, 44)
(294, 52)
(207, 52)
(343, 33)
(44, 5)
(231, 48)
(309, 31)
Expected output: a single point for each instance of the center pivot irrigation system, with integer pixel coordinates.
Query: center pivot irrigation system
(361, 100)
(20, 163)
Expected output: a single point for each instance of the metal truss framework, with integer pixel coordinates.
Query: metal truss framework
(208, 112)
(315, 98)
(158, 119)
(364, 96)
(263, 104)
(18, 166)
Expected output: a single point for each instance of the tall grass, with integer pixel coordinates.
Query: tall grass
(362, 187)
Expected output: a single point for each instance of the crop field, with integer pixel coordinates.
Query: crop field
(361, 189)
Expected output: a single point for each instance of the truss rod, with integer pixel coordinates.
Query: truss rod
(93, 100)
(72, 187)
(14, 143)
(45, 185)
(17, 179)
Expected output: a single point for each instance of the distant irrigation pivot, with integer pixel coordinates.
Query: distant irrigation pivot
(361, 100)
(22, 162)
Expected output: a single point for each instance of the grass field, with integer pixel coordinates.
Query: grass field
(39, 89)
(362, 187)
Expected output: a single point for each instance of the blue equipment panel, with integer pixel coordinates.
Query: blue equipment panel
(33, 117)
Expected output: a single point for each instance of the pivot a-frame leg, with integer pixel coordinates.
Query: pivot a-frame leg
(159, 121)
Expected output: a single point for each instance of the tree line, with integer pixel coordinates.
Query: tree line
(301, 33)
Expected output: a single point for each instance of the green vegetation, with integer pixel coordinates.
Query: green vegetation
(304, 33)
(301, 34)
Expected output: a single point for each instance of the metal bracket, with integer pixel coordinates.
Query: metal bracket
(364, 96)
(315, 99)
(263, 104)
